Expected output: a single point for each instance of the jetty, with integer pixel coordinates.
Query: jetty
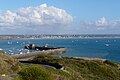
(38, 53)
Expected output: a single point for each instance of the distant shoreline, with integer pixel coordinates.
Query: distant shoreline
(24, 37)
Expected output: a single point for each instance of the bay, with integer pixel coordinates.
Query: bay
(106, 48)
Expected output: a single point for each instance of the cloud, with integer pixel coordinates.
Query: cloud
(42, 15)
(101, 24)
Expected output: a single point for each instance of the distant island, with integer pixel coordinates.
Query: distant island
(8, 37)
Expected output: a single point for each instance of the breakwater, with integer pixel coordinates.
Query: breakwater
(33, 54)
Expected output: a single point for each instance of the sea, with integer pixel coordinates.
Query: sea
(106, 48)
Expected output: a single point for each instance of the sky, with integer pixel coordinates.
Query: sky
(59, 17)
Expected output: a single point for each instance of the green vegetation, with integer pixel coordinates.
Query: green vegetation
(60, 72)
(85, 69)
(34, 72)
(8, 65)
(74, 69)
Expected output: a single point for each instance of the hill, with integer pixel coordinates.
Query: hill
(83, 68)
(72, 68)
(8, 66)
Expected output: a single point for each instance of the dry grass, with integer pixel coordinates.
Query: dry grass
(8, 64)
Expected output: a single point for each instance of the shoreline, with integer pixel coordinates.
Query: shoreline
(64, 38)
(28, 37)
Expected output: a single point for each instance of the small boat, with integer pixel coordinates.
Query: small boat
(41, 48)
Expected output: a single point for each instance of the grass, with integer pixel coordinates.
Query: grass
(60, 72)
(8, 65)
(74, 68)
(34, 72)
(83, 69)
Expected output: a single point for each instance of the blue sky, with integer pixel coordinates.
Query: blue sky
(88, 17)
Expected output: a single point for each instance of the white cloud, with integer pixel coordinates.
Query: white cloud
(42, 15)
(101, 24)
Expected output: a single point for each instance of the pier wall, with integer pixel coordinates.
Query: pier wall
(33, 54)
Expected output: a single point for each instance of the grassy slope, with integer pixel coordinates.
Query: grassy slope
(84, 69)
(8, 65)
(74, 68)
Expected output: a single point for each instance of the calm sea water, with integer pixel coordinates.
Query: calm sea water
(108, 48)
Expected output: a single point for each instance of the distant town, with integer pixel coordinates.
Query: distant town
(8, 37)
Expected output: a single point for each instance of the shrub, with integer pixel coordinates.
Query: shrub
(34, 72)
(8, 64)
